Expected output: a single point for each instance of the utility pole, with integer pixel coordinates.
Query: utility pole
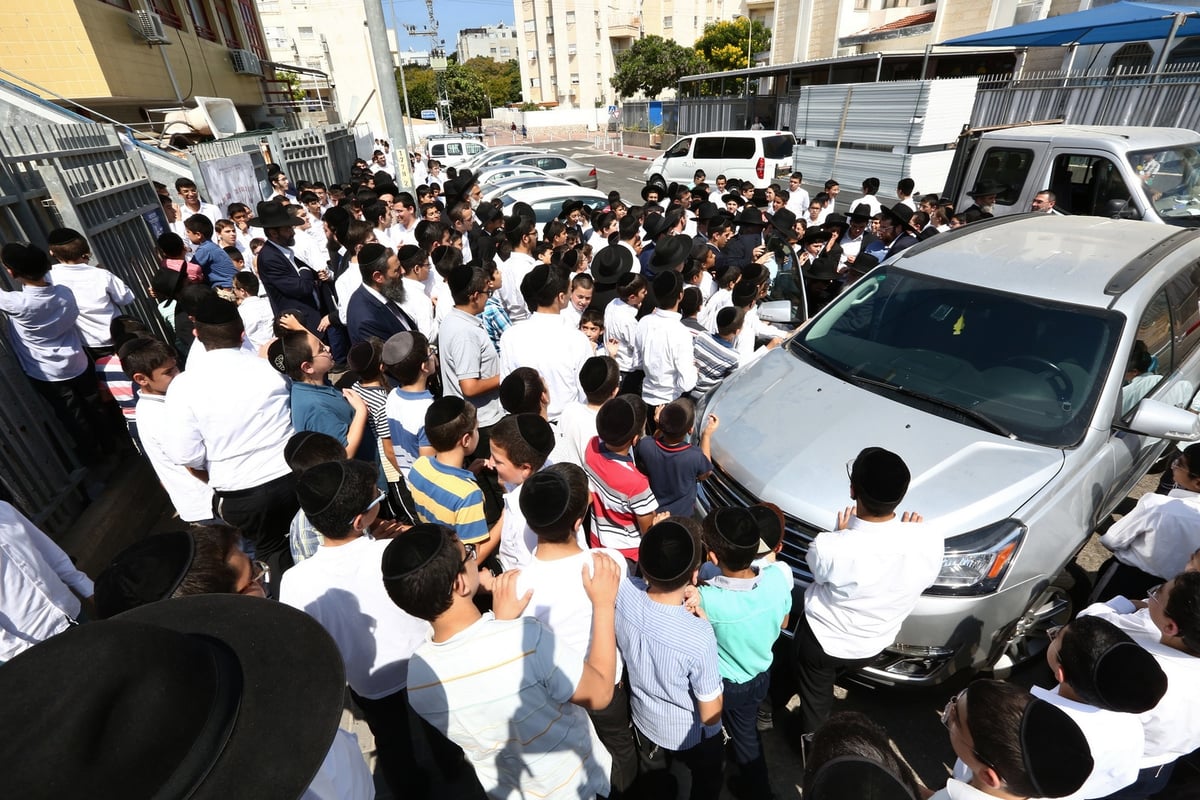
(437, 60)
(389, 93)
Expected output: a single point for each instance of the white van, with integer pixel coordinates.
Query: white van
(451, 151)
(760, 157)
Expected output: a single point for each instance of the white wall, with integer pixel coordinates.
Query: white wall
(551, 118)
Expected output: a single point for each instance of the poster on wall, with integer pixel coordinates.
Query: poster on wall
(231, 179)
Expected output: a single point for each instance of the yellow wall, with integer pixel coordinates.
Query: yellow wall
(45, 42)
(963, 17)
(85, 50)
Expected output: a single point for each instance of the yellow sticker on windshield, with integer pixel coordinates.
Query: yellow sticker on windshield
(961, 324)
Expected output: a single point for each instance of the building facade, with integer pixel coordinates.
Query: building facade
(497, 42)
(96, 53)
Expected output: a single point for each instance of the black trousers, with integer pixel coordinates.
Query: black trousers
(1116, 579)
(263, 514)
(816, 672)
(692, 774)
(74, 403)
(416, 760)
(615, 731)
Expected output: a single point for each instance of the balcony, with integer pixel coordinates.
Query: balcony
(624, 28)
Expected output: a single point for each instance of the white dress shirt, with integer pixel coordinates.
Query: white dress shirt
(207, 209)
(870, 200)
(418, 306)
(620, 323)
(192, 497)
(514, 271)
(1159, 535)
(1116, 741)
(97, 293)
(231, 415)
(39, 586)
(667, 353)
(866, 581)
(798, 202)
(752, 328)
(556, 352)
(346, 285)
(45, 338)
(1172, 728)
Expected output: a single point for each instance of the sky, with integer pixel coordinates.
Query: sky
(452, 16)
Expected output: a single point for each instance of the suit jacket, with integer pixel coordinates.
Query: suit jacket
(903, 242)
(288, 287)
(367, 317)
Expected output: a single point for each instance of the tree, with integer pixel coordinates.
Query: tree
(652, 64)
(468, 101)
(422, 88)
(501, 80)
(724, 44)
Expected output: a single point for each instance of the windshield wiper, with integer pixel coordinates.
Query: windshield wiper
(825, 364)
(983, 420)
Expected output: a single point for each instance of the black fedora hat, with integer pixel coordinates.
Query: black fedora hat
(707, 211)
(569, 206)
(749, 215)
(652, 187)
(900, 214)
(784, 221)
(610, 264)
(985, 187)
(653, 225)
(195, 697)
(274, 214)
(860, 213)
(671, 252)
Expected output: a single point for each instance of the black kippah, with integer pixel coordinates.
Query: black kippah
(855, 777)
(616, 421)
(409, 553)
(535, 281)
(673, 418)
(545, 498)
(536, 432)
(512, 392)
(459, 278)
(318, 486)
(371, 252)
(744, 294)
(725, 316)
(1056, 755)
(737, 527)
(593, 373)
(1128, 679)
(880, 475)
(443, 410)
(275, 356)
(63, 235)
(666, 284)
(215, 310)
(667, 552)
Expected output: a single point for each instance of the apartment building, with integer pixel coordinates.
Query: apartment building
(567, 47)
(107, 56)
(497, 42)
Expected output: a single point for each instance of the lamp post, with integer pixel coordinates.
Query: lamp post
(749, 46)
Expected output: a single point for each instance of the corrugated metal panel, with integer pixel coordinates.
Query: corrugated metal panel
(898, 114)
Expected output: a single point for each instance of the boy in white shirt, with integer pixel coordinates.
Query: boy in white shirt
(553, 503)
(520, 445)
(415, 264)
(254, 310)
(600, 379)
(867, 577)
(501, 685)
(98, 292)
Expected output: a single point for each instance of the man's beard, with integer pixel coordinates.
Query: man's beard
(394, 291)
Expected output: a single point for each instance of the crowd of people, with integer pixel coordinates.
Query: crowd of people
(452, 456)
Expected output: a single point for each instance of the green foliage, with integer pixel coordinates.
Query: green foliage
(468, 87)
(724, 44)
(653, 64)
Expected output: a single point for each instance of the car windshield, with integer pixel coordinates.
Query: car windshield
(1017, 366)
(1170, 178)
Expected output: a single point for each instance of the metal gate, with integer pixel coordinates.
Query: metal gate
(315, 154)
(78, 176)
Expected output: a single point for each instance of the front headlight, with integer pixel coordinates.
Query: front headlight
(975, 563)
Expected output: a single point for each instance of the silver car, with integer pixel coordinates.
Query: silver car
(993, 360)
(560, 167)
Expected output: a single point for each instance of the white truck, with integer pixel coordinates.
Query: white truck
(1151, 174)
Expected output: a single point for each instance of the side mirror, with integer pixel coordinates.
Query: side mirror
(777, 311)
(1163, 421)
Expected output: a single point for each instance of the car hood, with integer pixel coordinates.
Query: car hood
(788, 429)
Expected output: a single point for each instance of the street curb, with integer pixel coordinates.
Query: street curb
(628, 155)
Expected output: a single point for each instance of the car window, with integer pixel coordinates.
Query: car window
(1009, 167)
(474, 148)
(778, 146)
(708, 147)
(1030, 367)
(1152, 356)
(1183, 292)
(1085, 184)
(437, 150)
(453, 149)
(680, 148)
(739, 147)
(551, 163)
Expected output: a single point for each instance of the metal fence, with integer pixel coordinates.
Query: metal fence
(79, 176)
(699, 114)
(324, 154)
(1125, 96)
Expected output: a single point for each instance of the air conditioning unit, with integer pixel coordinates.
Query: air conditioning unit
(246, 63)
(149, 26)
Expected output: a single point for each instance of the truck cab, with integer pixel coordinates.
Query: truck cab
(1151, 174)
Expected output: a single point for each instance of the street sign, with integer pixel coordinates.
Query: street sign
(428, 113)
(612, 111)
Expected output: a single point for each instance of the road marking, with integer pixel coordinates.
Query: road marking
(605, 171)
(638, 181)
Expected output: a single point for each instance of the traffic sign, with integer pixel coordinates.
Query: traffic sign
(428, 113)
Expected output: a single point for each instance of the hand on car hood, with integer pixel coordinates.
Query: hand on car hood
(788, 429)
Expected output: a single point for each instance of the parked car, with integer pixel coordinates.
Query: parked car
(497, 155)
(522, 182)
(547, 201)
(756, 156)
(452, 150)
(560, 167)
(489, 176)
(993, 360)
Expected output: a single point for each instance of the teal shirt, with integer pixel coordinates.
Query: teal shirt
(746, 615)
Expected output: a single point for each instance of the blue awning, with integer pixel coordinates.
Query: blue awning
(1120, 22)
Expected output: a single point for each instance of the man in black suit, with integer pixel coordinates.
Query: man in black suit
(858, 236)
(895, 229)
(291, 284)
(374, 308)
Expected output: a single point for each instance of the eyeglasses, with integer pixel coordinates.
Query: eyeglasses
(850, 468)
(1153, 592)
(1181, 462)
(951, 720)
(260, 575)
(378, 499)
(472, 552)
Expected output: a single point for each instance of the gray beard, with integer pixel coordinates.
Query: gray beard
(394, 291)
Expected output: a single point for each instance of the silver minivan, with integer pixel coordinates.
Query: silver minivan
(993, 360)
(760, 157)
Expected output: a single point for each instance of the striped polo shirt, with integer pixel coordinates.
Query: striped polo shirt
(619, 494)
(448, 496)
(671, 658)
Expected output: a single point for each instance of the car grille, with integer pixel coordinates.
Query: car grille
(720, 490)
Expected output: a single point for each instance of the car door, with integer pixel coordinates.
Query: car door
(1010, 166)
(552, 164)
(1088, 181)
(678, 158)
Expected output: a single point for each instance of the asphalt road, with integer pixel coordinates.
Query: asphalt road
(911, 717)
